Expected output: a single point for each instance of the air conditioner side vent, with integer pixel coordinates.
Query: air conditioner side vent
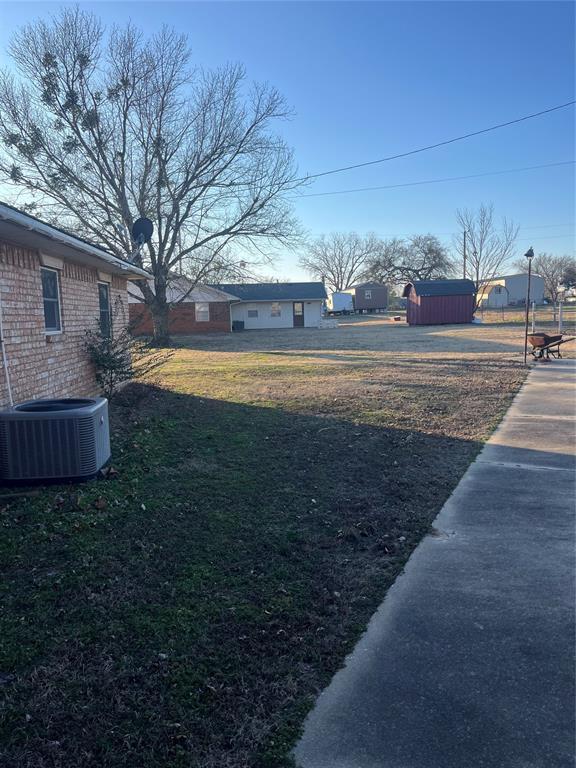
(86, 445)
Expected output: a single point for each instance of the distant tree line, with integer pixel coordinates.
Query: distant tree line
(483, 249)
(344, 259)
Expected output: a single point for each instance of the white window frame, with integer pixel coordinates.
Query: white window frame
(202, 308)
(368, 294)
(252, 314)
(275, 309)
(52, 331)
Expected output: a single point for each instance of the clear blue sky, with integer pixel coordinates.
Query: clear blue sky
(367, 80)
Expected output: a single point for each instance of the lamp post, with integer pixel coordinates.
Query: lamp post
(529, 255)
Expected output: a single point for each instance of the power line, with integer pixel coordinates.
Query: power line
(436, 181)
(549, 226)
(544, 237)
(456, 232)
(438, 144)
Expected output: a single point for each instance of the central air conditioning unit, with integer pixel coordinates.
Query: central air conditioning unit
(66, 439)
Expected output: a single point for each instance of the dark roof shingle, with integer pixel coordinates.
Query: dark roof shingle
(441, 288)
(274, 291)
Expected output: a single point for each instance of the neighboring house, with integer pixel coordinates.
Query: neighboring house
(227, 307)
(53, 287)
(438, 302)
(369, 297)
(276, 305)
(516, 287)
(198, 309)
(493, 295)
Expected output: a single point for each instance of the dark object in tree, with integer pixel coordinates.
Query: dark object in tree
(142, 231)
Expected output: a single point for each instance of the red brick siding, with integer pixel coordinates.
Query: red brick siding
(41, 365)
(183, 318)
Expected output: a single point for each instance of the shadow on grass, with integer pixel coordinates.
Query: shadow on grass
(186, 611)
(372, 338)
(405, 360)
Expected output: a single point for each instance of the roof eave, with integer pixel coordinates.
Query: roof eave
(280, 300)
(23, 223)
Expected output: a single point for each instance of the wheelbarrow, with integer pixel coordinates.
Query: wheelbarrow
(545, 346)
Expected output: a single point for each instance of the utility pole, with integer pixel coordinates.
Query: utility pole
(464, 269)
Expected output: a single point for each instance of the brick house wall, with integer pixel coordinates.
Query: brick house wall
(183, 318)
(42, 365)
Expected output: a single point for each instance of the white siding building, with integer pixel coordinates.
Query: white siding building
(275, 305)
(494, 295)
(517, 285)
(514, 290)
(277, 314)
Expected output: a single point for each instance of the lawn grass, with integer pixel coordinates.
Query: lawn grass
(185, 610)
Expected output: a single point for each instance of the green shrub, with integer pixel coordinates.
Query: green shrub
(119, 357)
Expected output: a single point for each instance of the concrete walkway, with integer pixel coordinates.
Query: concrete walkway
(469, 662)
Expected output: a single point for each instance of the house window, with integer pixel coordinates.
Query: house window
(498, 289)
(51, 296)
(202, 311)
(275, 309)
(104, 306)
(252, 313)
(367, 294)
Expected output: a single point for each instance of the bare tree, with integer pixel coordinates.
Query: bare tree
(100, 129)
(340, 259)
(552, 269)
(383, 265)
(420, 257)
(424, 258)
(487, 247)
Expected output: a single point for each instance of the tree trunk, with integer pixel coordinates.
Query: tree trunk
(160, 318)
(160, 310)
